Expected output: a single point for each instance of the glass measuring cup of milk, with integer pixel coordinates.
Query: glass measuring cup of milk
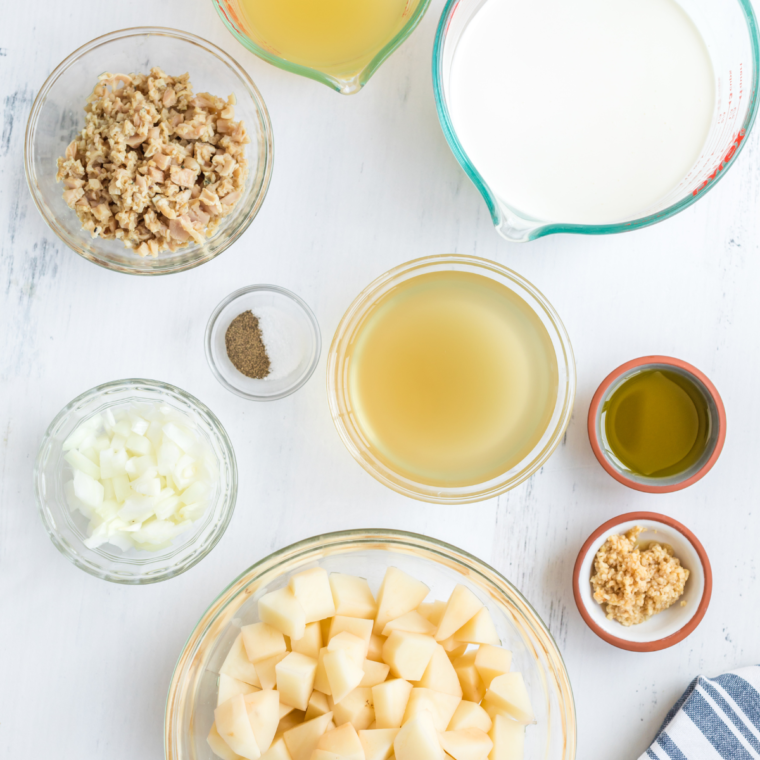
(624, 143)
(340, 43)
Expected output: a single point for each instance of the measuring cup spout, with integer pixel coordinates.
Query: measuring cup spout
(512, 226)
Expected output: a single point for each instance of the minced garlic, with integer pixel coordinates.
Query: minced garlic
(632, 584)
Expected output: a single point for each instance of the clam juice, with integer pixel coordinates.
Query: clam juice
(452, 379)
(333, 36)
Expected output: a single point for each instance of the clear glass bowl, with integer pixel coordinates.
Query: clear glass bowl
(729, 28)
(67, 530)
(58, 115)
(297, 325)
(346, 82)
(340, 402)
(192, 694)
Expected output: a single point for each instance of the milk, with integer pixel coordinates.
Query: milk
(582, 111)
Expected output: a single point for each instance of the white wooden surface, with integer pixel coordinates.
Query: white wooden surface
(360, 184)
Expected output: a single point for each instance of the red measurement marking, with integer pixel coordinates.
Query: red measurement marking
(729, 155)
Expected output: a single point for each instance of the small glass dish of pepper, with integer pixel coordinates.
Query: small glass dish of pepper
(263, 342)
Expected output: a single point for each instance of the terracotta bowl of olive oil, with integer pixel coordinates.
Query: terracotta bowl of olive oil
(657, 424)
(451, 379)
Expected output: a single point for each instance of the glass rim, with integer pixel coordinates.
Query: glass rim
(343, 86)
(349, 433)
(214, 249)
(550, 228)
(224, 303)
(227, 510)
(366, 537)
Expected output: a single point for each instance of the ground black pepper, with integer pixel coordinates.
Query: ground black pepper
(245, 347)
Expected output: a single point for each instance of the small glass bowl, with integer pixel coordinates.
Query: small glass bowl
(368, 553)
(345, 419)
(67, 529)
(58, 115)
(298, 327)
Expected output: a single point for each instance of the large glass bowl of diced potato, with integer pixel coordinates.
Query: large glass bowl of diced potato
(370, 644)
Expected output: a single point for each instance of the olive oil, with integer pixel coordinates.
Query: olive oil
(452, 379)
(657, 423)
(338, 37)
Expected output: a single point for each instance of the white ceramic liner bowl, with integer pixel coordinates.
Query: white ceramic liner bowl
(296, 326)
(669, 626)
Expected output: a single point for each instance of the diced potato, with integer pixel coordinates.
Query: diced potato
(342, 672)
(470, 715)
(378, 743)
(441, 707)
(408, 654)
(390, 700)
(418, 740)
(433, 611)
(399, 593)
(236, 664)
(291, 720)
(462, 606)
(229, 687)
(352, 596)
(507, 692)
(263, 708)
(312, 589)
(302, 740)
(412, 622)
(266, 670)
(479, 630)
(342, 741)
(231, 718)
(467, 744)
(318, 705)
(375, 650)
(310, 643)
(374, 673)
(284, 612)
(321, 682)
(278, 751)
(492, 661)
(220, 747)
(354, 647)
(356, 708)
(440, 674)
(405, 680)
(359, 627)
(454, 649)
(472, 685)
(262, 641)
(295, 679)
(508, 739)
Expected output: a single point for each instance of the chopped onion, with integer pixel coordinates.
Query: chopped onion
(142, 474)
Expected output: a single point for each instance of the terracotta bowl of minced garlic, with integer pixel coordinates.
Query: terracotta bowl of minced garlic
(642, 582)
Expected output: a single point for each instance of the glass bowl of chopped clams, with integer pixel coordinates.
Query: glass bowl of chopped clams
(154, 173)
(370, 643)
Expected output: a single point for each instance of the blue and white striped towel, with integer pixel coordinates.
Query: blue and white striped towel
(715, 719)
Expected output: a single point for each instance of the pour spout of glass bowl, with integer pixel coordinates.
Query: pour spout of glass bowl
(333, 42)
